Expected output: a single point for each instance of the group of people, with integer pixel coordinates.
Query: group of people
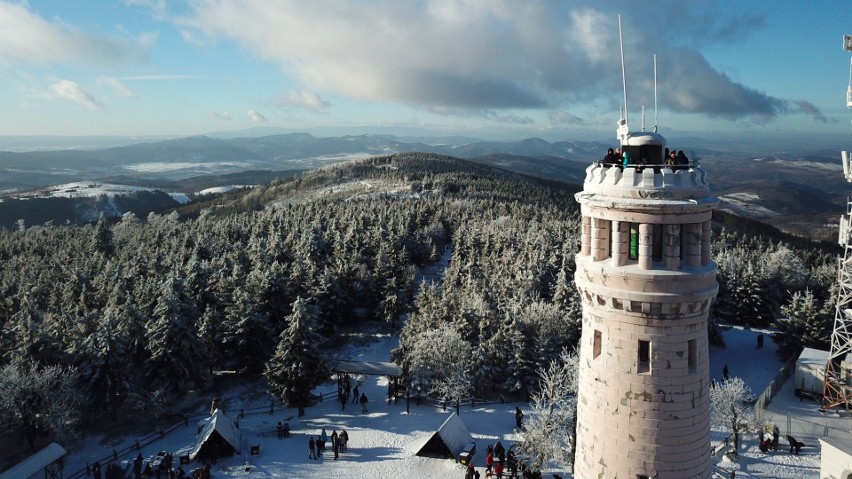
(113, 471)
(339, 443)
(770, 442)
(344, 386)
(674, 160)
(163, 470)
(498, 462)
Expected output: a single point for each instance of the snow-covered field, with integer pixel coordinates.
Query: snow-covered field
(743, 204)
(382, 441)
(172, 166)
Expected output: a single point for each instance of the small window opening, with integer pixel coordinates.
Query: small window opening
(633, 250)
(657, 242)
(692, 355)
(644, 365)
(596, 349)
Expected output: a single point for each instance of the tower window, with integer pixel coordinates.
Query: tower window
(633, 250)
(644, 364)
(657, 242)
(596, 349)
(692, 355)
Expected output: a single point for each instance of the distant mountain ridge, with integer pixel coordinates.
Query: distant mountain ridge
(775, 187)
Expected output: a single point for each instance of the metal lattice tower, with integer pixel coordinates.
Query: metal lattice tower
(838, 391)
(838, 370)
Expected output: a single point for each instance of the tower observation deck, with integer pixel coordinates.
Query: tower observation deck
(646, 279)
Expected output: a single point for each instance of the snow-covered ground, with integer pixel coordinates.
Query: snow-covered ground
(799, 418)
(382, 441)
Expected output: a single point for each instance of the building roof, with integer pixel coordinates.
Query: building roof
(450, 439)
(220, 423)
(813, 356)
(371, 368)
(842, 445)
(35, 463)
(818, 357)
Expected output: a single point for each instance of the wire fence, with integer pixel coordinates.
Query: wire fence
(774, 386)
(795, 425)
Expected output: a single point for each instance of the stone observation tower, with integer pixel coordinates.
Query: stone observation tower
(646, 280)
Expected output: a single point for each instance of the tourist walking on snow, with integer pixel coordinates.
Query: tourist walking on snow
(344, 439)
(335, 445)
(323, 440)
(355, 395)
(137, 466)
(363, 402)
(311, 454)
(519, 417)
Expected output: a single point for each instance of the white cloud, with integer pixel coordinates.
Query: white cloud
(28, 38)
(69, 90)
(161, 77)
(156, 7)
(256, 117)
(485, 54)
(303, 99)
(117, 86)
(222, 116)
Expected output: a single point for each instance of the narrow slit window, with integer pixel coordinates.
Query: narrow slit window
(610, 234)
(684, 229)
(692, 355)
(596, 350)
(657, 242)
(633, 250)
(644, 365)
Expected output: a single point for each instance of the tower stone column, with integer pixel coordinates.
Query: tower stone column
(646, 284)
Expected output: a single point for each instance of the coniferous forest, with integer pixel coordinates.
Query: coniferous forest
(117, 317)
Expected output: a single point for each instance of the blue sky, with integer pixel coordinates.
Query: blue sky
(499, 69)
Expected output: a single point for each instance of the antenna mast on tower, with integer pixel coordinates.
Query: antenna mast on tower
(838, 370)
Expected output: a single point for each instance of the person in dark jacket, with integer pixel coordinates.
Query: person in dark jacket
(363, 402)
(610, 158)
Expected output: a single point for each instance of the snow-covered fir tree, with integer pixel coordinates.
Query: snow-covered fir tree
(440, 364)
(298, 365)
(177, 361)
(549, 428)
(803, 325)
